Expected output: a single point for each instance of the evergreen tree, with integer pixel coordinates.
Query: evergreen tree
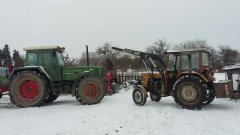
(17, 59)
(7, 59)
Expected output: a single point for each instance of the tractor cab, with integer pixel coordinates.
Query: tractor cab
(49, 57)
(44, 56)
(192, 61)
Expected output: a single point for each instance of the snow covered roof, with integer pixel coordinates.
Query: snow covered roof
(44, 48)
(187, 50)
(236, 66)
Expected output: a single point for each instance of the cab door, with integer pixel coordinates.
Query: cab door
(51, 65)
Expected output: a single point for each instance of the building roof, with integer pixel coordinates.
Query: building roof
(232, 67)
(45, 48)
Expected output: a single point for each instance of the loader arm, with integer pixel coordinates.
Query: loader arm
(144, 55)
(151, 57)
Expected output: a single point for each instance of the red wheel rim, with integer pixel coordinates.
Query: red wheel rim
(90, 90)
(29, 89)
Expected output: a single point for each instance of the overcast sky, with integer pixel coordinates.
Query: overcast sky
(133, 24)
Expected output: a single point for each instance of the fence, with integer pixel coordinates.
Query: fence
(125, 77)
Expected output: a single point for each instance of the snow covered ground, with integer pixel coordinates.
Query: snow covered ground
(118, 115)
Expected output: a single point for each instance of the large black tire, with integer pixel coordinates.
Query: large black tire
(138, 97)
(210, 96)
(155, 97)
(189, 93)
(209, 99)
(28, 89)
(90, 91)
(51, 97)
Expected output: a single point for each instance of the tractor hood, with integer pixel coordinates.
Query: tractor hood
(71, 73)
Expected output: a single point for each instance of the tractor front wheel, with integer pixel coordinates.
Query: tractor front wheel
(28, 89)
(90, 91)
(138, 97)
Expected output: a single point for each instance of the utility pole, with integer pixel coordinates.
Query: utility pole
(87, 55)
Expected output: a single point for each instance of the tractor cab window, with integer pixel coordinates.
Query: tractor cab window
(171, 62)
(32, 59)
(178, 63)
(48, 58)
(60, 58)
(185, 62)
(195, 61)
(205, 59)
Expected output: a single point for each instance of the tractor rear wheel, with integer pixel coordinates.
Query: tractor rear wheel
(138, 97)
(209, 99)
(189, 93)
(90, 91)
(28, 89)
(155, 97)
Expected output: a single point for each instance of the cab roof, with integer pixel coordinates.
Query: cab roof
(188, 50)
(54, 47)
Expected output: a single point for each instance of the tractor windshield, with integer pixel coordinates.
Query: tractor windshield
(170, 62)
(195, 61)
(60, 58)
(205, 59)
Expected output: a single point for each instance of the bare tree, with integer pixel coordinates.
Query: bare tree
(159, 47)
(215, 59)
(68, 61)
(107, 51)
(192, 44)
(228, 55)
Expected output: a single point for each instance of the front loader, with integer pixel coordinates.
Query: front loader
(44, 77)
(185, 74)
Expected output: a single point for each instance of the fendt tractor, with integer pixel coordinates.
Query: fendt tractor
(184, 74)
(45, 76)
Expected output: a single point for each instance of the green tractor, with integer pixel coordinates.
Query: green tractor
(45, 76)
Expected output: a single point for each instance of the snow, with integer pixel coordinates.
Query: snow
(118, 115)
(220, 77)
(236, 66)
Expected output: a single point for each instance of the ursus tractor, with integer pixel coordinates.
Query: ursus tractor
(184, 74)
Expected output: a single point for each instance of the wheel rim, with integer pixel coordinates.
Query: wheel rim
(138, 96)
(29, 89)
(189, 93)
(90, 90)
